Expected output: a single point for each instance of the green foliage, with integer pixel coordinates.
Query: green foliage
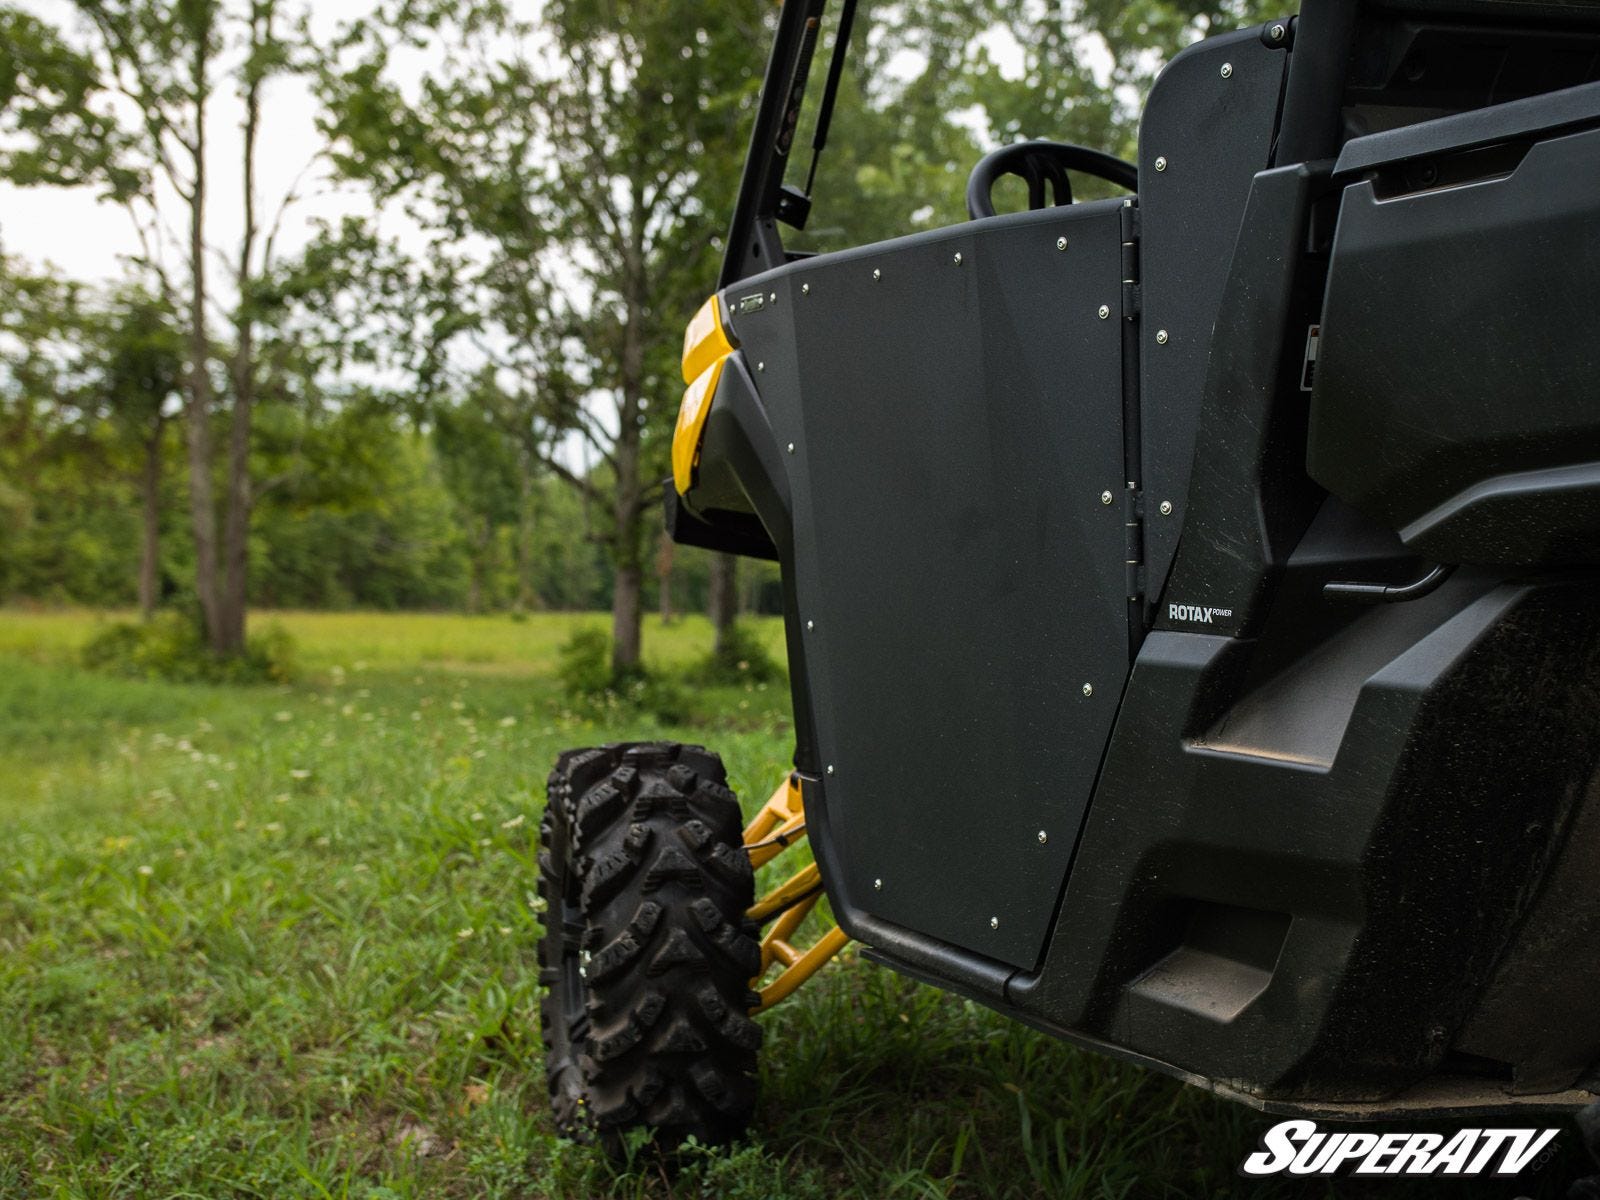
(585, 670)
(739, 657)
(172, 647)
(593, 686)
(51, 129)
(579, 191)
(385, 536)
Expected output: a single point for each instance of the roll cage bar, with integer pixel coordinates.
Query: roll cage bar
(764, 198)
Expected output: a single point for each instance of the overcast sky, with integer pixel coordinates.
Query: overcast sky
(85, 239)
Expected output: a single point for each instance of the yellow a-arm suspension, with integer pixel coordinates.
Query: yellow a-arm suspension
(780, 824)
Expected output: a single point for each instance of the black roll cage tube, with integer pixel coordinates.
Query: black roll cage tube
(753, 242)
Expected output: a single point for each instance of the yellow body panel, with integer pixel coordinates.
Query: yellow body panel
(691, 424)
(706, 347)
(704, 341)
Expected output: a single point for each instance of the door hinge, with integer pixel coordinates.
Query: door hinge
(1131, 295)
(1133, 523)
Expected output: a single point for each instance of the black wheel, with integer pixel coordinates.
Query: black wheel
(647, 956)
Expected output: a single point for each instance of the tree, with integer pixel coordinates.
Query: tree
(138, 374)
(481, 470)
(589, 164)
(52, 130)
(83, 408)
(723, 602)
(39, 379)
(1062, 94)
(163, 63)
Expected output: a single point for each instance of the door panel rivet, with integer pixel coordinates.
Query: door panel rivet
(1161, 164)
(1105, 311)
(876, 274)
(830, 768)
(994, 922)
(1043, 837)
(805, 289)
(1106, 497)
(1088, 689)
(1061, 243)
(811, 624)
(791, 447)
(761, 366)
(1166, 508)
(1161, 337)
(877, 885)
(1227, 70)
(958, 258)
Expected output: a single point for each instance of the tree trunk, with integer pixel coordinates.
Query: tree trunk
(236, 524)
(241, 499)
(626, 601)
(664, 557)
(527, 595)
(478, 579)
(627, 596)
(724, 601)
(199, 401)
(627, 553)
(150, 517)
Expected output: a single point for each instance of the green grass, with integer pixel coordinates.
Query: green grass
(278, 942)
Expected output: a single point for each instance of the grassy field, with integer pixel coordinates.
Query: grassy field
(278, 942)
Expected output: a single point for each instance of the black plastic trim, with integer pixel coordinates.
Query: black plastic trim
(1535, 116)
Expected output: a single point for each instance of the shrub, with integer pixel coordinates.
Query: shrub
(171, 647)
(659, 695)
(740, 658)
(585, 664)
(592, 686)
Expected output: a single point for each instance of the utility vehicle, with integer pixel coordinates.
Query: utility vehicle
(1192, 601)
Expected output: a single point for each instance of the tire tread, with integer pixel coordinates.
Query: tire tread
(653, 833)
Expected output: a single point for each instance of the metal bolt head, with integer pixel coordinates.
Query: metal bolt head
(1166, 508)
(811, 624)
(1277, 33)
(1161, 337)
(876, 274)
(761, 366)
(1161, 164)
(791, 447)
(1227, 70)
(877, 885)
(1061, 243)
(805, 289)
(1043, 837)
(830, 768)
(957, 259)
(1088, 689)
(1106, 497)
(1105, 311)
(772, 298)
(994, 922)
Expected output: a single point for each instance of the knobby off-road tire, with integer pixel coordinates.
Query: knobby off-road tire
(647, 956)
